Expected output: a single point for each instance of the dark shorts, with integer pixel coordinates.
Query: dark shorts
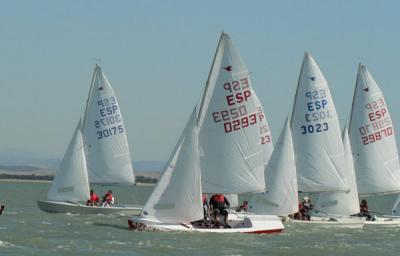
(222, 211)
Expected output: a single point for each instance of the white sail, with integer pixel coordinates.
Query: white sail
(177, 196)
(280, 175)
(71, 181)
(372, 139)
(265, 133)
(106, 145)
(316, 133)
(231, 154)
(342, 203)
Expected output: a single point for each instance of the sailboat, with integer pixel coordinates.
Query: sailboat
(229, 151)
(280, 176)
(373, 142)
(176, 202)
(98, 154)
(320, 155)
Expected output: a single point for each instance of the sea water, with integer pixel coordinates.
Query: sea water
(26, 230)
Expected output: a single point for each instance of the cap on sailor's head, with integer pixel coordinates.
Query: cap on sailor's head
(306, 198)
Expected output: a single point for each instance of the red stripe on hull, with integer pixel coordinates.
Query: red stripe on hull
(271, 231)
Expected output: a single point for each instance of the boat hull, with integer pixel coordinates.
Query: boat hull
(386, 221)
(254, 224)
(76, 208)
(330, 222)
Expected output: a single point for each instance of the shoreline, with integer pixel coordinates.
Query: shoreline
(140, 184)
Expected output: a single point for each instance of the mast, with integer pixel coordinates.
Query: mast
(89, 96)
(208, 80)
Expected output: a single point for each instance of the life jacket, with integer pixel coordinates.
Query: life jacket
(94, 198)
(219, 201)
(219, 198)
(204, 198)
(109, 198)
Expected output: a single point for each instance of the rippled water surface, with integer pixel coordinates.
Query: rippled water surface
(25, 230)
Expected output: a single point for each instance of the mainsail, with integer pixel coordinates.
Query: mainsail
(372, 139)
(316, 133)
(71, 181)
(106, 145)
(341, 203)
(280, 175)
(177, 196)
(232, 158)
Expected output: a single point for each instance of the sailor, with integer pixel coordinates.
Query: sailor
(108, 199)
(94, 199)
(364, 211)
(244, 207)
(218, 206)
(205, 206)
(305, 208)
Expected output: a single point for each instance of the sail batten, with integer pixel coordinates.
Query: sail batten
(316, 133)
(372, 139)
(230, 120)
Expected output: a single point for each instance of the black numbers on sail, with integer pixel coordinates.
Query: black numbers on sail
(307, 129)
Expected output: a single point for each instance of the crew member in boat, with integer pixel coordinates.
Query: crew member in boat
(94, 199)
(305, 208)
(364, 210)
(218, 206)
(205, 206)
(244, 207)
(108, 199)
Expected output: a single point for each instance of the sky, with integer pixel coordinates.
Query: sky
(157, 55)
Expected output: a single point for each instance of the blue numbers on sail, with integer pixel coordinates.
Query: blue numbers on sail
(110, 121)
(317, 112)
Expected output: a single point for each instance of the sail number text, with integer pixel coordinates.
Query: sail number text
(379, 124)
(317, 110)
(108, 116)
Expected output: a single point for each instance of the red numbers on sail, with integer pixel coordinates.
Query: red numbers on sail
(236, 116)
(379, 124)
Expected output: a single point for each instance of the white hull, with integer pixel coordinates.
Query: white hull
(70, 207)
(331, 222)
(256, 224)
(386, 221)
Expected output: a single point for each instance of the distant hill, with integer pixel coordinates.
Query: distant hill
(19, 161)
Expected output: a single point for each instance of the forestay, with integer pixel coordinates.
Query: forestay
(106, 145)
(177, 196)
(316, 133)
(372, 139)
(232, 158)
(341, 203)
(280, 175)
(71, 181)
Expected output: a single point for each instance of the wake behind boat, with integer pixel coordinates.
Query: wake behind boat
(98, 153)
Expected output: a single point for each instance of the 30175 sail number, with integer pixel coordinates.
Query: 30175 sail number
(110, 131)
